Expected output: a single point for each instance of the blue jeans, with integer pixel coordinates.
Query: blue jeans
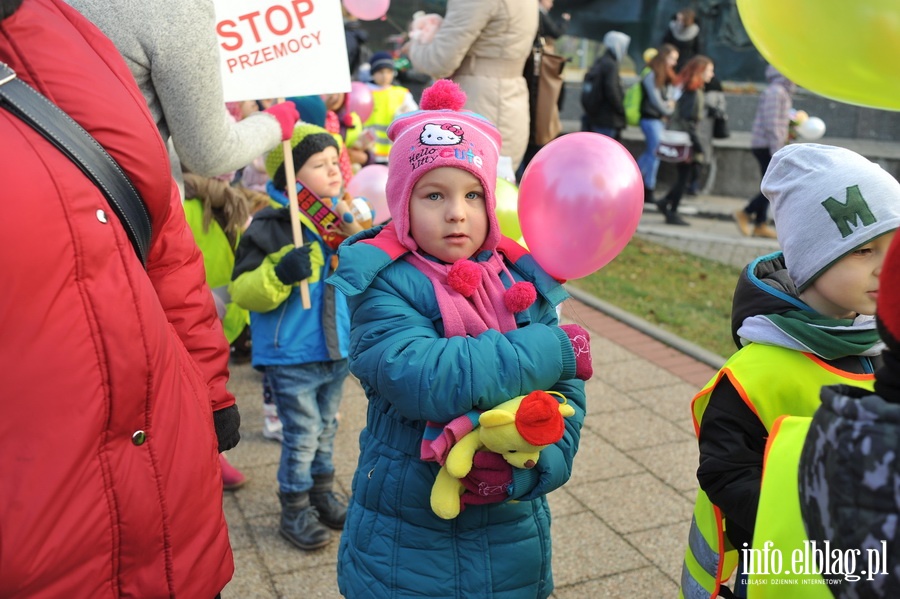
(308, 397)
(648, 162)
(607, 131)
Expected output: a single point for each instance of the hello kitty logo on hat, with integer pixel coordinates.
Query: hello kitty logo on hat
(446, 134)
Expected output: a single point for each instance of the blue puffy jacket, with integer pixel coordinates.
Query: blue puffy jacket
(393, 545)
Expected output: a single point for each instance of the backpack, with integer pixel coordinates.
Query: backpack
(634, 95)
(592, 90)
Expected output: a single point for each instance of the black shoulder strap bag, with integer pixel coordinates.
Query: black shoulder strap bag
(45, 117)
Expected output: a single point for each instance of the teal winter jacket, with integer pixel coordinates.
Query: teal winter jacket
(393, 545)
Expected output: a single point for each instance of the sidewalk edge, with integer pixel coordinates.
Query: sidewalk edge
(683, 345)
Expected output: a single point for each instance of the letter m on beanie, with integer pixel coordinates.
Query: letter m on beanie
(853, 212)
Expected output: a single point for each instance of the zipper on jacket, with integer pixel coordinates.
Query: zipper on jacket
(284, 308)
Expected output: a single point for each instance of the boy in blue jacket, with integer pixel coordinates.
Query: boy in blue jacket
(303, 352)
(448, 316)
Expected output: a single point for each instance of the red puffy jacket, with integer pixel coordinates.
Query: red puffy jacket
(94, 349)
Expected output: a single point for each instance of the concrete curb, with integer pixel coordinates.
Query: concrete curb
(695, 351)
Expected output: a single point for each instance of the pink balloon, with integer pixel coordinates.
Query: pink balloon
(359, 100)
(580, 201)
(367, 10)
(370, 183)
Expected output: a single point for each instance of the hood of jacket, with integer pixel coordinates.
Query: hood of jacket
(617, 43)
(763, 287)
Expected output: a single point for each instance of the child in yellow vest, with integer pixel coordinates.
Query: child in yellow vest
(801, 318)
(388, 102)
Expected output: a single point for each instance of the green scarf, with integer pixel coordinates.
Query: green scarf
(828, 338)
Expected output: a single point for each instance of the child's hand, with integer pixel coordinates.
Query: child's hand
(294, 266)
(581, 344)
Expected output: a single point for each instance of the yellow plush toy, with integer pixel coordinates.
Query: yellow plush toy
(517, 429)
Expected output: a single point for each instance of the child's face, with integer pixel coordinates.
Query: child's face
(321, 173)
(383, 77)
(333, 101)
(850, 286)
(447, 214)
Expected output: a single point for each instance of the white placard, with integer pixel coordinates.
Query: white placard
(281, 48)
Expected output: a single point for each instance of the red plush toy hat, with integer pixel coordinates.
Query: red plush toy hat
(888, 310)
(538, 419)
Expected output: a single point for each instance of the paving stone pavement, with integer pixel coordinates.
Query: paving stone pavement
(619, 526)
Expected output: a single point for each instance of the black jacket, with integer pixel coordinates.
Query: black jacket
(611, 110)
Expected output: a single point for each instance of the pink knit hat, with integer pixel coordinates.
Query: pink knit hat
(441, 134)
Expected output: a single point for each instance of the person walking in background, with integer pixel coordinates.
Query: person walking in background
(771, 128)
(602, 100)
(303, 352)
(439, 295)
(690, 110)
(483, 45)
(550, 28)
(115, 405)
(655, 106)
(802, 319)
(388, 102)
(185, 97)
(683, 32)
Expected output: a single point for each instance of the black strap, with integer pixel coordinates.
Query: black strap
(71, 139)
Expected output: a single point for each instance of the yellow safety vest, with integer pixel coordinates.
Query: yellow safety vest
(385, 104)
(218, 260)
(779, 523)
(710, 559)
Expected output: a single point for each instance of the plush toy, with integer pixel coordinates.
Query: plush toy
(424, 26)
(517, 430)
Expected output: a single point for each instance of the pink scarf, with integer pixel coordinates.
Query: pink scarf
(486, 306)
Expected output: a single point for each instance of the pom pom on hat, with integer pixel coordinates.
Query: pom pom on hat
(443, 95)
(538, 419)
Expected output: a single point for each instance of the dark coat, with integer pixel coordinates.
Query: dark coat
(612, 110)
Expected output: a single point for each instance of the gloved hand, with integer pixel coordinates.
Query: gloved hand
(287, 116)
(228, 423)
(581, 344)
(294, 266)
(488, 481)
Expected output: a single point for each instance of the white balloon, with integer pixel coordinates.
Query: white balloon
(811, 129)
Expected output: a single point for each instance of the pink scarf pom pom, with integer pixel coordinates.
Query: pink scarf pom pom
(519, 296)
(464, 277)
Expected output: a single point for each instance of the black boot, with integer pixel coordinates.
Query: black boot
(648, 196)
(332, 507)
(300, 522)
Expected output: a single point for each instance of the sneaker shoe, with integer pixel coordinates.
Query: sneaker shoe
(272, 427)
(742, 219)
(232, 478)
(764, 230)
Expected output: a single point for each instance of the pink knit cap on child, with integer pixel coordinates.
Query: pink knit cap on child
(441, 134)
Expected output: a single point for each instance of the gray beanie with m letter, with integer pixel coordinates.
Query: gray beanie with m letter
(827, 202)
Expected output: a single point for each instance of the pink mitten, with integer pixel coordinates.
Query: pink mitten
(581, 344)
(488, 481)
(287, 116)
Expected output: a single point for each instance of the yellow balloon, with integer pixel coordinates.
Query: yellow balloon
(507, 196)
(843, 50)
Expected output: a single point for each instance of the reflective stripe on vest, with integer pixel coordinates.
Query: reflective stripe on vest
(385, 104)
(779, 520)
(756, 371)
